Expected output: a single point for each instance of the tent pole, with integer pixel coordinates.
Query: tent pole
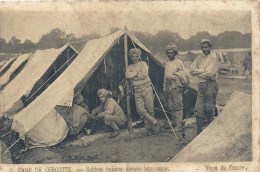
(129, 114)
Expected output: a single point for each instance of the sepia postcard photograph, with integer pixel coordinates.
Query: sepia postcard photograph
(109, 86)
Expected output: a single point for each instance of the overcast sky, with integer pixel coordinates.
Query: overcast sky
(32, 25)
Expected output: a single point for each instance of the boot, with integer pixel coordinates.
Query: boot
(148, 127)
(113, 125)
(157, 128)
(174, 123)
(199, 121)
(114, 134)
(150, 118)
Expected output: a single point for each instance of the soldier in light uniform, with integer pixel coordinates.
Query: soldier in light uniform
(205, 67)
(137, 73)
(172, 86)
(109, 111)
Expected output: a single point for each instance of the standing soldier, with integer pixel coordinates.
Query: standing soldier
(205, 67)
(173, 85)
(248, 63)
(137, 73)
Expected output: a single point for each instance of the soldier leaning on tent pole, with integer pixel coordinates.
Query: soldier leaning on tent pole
(174, 78)
(137, 73)
(205, 67)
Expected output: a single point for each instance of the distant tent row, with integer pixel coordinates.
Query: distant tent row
(6, 66)
(30, 74)
(14, 69)
(235, 55)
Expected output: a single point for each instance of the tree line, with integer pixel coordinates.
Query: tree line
(56, 38)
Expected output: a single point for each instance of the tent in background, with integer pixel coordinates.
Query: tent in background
(35, 77)
(7, 65)
(228, 138)
(100, 64)
(14, 69)
(2, 64)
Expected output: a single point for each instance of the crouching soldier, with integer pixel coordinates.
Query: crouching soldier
(174, 79)
(76, 116)
(109, 111)
(137, 73)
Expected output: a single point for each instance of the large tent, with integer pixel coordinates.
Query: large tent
(35, 77)
(14, 69)
(101, 63)
(228, 138)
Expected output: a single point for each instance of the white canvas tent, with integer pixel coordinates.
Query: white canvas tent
(40, 123)
(228, 138)
(2, 64)
(41, 62)
(6, 66)
(16, 64)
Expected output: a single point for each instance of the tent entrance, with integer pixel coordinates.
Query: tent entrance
(110, 74)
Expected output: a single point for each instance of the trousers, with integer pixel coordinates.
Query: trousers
(205, 103)
(174, 92)
(114, 121)
(144, 100)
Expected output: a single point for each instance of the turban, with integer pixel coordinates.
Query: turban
(171, 46)
(104, 92)
(135, 50)
(205, 41)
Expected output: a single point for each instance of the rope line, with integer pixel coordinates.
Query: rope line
(11, 146)
(6, 134)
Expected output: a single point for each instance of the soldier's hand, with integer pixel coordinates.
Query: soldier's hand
(100, 116)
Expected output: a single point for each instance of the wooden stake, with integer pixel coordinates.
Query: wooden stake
(129, 114)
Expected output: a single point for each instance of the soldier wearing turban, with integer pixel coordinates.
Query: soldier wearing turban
(137, 73)
(135, 50)
(172, 86)
(109, 111)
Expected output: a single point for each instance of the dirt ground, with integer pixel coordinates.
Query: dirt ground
(136, 147)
